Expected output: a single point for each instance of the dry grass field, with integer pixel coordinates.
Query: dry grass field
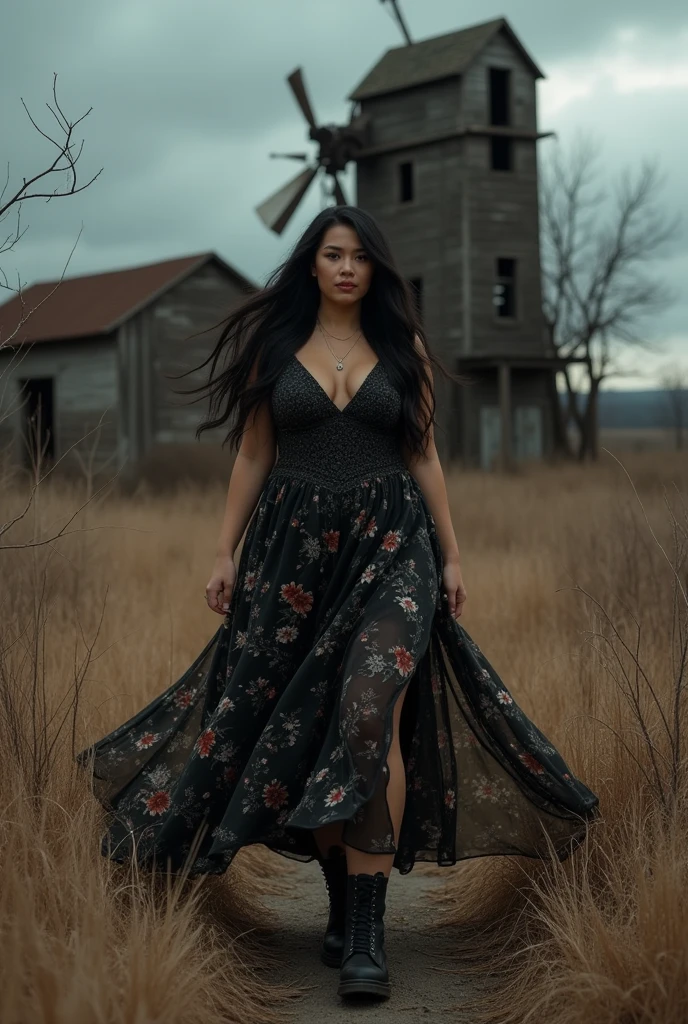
(577, 585)
(641, 439)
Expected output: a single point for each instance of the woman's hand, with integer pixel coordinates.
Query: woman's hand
(221, 584)
(454, 588)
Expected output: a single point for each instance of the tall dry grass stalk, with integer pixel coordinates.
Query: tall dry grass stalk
(92, 625)
(574, 603)
(602, 937)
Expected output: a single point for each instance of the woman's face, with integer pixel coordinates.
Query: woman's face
(341, 259)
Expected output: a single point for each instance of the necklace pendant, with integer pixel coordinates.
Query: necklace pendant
(340, 366)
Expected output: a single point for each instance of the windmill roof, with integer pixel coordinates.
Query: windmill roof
(96, 304)
(434, 58)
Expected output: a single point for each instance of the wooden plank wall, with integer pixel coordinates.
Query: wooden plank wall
(203, 299)
(424, 109)
(528, 387)
(499, 53)
(503, 208)
(85, 387)
(425, 234)
(463, 216)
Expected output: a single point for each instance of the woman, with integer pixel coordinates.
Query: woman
(340, 712)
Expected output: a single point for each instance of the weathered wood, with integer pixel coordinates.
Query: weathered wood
(84, 373)
(463, 217)
(123, 376)
(504, 385)
(201, 301)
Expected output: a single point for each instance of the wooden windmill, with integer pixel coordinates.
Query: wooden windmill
(337, 146)
(443, 133)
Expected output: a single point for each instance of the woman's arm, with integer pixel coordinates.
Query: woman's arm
(254, 460)
(245, 484)
(427, 470)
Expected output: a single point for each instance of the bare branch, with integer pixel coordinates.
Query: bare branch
(65, 161)
(24, 316)
(64, 149)
(597, 246)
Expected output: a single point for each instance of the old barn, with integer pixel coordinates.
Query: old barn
(98, 349)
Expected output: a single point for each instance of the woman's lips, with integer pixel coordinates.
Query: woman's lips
(346, 287)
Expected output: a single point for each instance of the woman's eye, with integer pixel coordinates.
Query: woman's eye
(335, 256)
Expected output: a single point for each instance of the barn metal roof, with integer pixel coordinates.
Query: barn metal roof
(96, 304)
(435, 58)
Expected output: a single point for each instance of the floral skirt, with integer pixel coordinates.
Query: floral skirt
(283, 722)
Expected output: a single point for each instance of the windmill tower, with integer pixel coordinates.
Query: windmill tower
(444, 135)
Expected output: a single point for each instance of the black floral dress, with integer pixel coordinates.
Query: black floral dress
(283, 722)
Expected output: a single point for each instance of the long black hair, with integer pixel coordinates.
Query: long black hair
(273, 323)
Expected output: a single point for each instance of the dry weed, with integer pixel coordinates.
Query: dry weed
(603, 936)
(84, 940)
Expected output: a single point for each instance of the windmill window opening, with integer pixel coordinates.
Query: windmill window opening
(502, 153)
(406, 181)
(504, 290)
(500, 96)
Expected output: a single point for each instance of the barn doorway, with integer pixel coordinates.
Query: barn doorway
(38, 427)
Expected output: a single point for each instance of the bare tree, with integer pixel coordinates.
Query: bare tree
(597, 245)
(33, 720)
(39, 186)
(674, 383)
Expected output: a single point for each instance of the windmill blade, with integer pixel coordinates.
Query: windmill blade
(298, 87)
(400, 18)
(278, 208)
(291, 156)
(339, 192)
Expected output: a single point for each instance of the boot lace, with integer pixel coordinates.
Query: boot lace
(363, 924)
(332, 872)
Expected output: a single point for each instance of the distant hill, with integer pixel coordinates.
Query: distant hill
(638, 409)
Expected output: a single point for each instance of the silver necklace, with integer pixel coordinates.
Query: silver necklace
(322, 328)
(339, 361)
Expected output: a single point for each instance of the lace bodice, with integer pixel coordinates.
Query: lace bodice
(320, 442)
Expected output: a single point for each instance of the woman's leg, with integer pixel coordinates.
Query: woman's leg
(329, 836)
(379, 665)
(369, 863)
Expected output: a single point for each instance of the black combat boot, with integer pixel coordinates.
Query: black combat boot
(334, 870)
(364, 964)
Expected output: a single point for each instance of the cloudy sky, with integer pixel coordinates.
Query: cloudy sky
(190, 98)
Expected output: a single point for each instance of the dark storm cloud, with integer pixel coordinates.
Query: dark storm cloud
(189, 99)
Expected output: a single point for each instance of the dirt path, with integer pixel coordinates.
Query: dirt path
(418, 987)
